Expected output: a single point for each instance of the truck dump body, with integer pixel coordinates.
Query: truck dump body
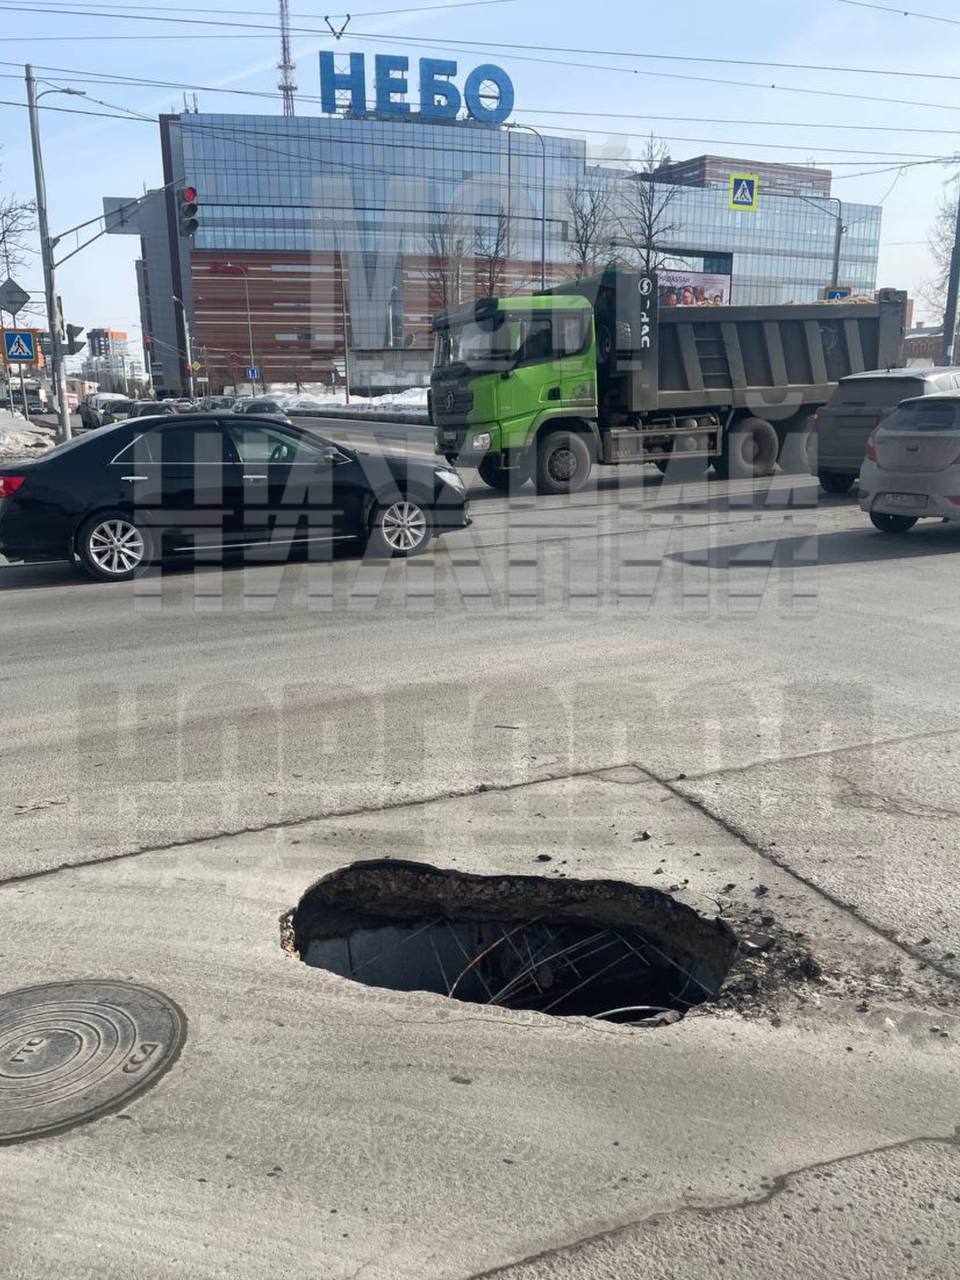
(732, 357)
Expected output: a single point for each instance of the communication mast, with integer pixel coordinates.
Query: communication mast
(286, 66)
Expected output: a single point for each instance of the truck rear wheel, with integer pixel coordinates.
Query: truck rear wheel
(749, 450)
(564, 461)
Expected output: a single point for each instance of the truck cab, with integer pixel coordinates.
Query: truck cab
(504, 370)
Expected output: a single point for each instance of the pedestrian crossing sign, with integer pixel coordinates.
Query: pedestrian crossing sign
(744, 192)
(20, 346)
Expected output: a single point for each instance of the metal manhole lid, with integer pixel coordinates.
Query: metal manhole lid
(71, 1051)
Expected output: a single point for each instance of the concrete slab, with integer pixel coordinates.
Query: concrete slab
(314, 1125)
(875, 828)
(902, 1199)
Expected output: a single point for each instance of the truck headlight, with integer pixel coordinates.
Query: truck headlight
(452, 479)
(482, 441)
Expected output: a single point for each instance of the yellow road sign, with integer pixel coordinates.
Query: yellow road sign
(744, 192)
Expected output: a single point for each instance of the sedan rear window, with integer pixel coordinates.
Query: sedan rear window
(876, 393)
(925, 415)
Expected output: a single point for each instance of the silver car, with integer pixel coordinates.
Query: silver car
(858, 405)
(912, 465)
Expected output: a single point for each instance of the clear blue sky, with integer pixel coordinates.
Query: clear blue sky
(88, 159)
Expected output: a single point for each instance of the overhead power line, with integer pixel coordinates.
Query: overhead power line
(94, 78)
(863, 153)
(901, 13)
(77, 11)
(550, 62)
(490, 44)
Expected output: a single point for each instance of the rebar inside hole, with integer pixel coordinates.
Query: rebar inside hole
(600, 949)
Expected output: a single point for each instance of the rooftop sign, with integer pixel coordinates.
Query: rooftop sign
(440, 97)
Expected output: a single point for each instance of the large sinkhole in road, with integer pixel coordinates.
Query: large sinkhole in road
(595, 948)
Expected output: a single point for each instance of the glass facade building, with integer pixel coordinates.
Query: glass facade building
(322, 236)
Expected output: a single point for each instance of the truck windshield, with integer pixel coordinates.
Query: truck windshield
(473, 345)
(520, 340)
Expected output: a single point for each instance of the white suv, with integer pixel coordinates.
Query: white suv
(912, 465)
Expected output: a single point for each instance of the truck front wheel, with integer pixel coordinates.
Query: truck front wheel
(750, 449)
(501, 478)
(564, 462)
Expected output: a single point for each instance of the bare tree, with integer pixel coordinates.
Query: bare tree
(447, 247)
(490, 250)
(645, 217)
(17, 228)
(934, 290)
(591, 222)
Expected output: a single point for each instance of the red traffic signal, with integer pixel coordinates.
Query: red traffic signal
(189, 222)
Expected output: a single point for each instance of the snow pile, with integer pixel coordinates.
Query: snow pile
(19, 438)
(412, 400)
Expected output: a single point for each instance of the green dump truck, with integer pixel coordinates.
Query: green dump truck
(595, 371)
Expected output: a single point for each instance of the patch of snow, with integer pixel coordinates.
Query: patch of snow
(411, 400)
(20, 438)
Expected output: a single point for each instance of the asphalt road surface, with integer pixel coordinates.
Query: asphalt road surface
(747, 670)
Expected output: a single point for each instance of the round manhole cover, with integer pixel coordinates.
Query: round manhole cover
(70, 1051)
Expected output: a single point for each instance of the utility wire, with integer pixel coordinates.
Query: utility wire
(240, 135)
(14, 6)
(133, 81)
(666, 75)
(901, 13)
(77, 10)
(83, 12)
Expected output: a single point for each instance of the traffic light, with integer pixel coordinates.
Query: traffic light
(187, 203)
(73, 333)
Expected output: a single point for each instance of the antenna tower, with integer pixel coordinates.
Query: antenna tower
(286, 66)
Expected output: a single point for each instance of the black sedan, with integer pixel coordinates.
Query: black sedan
(211, 485)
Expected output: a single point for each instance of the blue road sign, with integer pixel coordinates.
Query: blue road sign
(253, 374)
(20, 346)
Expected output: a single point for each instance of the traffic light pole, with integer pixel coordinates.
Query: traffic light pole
(57, 372)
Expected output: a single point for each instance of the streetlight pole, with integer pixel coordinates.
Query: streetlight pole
(242, 271)
(47, 245)
(145, 343)
(343, 318)
(838, 239)
(543, 199)
(188, 344)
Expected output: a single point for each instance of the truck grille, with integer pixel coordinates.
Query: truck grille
(451, 403)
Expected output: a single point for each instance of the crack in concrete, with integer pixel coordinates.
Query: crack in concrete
(290, 824)
(848, 908)
(824, 753)
(856, 796)
(775, 1187)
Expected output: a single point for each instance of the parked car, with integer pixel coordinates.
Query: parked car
(270, 406)
(151, 409)
(117, 411)
(121, 497)
(912, 466)
(859, 403)
(102, 398)
(306, 404)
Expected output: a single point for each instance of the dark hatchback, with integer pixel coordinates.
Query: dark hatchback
(214, 486)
